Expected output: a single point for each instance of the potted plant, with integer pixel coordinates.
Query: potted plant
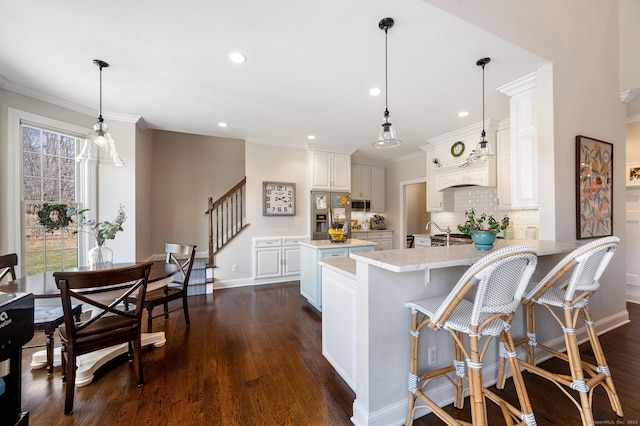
(483, 229)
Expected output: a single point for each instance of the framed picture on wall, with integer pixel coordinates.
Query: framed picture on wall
(633, 174)
(594, 188)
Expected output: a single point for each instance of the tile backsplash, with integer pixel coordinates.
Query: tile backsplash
(484, 200)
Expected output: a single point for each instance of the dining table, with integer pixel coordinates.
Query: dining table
(44, 289)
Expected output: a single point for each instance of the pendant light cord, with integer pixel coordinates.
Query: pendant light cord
(100, 117)
(483, 132)
(386, 72)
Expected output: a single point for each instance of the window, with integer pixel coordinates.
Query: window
(42, 168)
(48, 175)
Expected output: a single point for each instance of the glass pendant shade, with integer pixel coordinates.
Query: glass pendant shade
(387, 137)
(100, 147)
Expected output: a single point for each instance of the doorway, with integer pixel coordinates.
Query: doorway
(413, 207)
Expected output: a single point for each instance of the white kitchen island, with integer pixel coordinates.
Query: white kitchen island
(312, 251)
(366, 326)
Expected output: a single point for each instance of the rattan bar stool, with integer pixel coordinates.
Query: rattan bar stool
(500, 280)
(565, 293)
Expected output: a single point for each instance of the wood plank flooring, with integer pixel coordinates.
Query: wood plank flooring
(252, 356)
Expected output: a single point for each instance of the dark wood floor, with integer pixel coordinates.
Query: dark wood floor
(252, 356)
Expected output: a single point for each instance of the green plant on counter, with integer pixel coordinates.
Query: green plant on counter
(484, 222)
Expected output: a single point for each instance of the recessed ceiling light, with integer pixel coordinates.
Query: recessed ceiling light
(463, 113)
(222, 124)
(237, 57)
(375, 91)
(311, 137)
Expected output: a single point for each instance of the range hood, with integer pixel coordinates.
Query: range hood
(472, 173)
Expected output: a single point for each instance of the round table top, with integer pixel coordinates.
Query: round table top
(44, 285)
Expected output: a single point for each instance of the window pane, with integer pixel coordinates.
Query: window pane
(50, 190)
(31, 164)
(53, 260)
(32, 190)
(51, 143)
(30, 139)
(70, 258)
(51, 167)
(35, 263)
(68, 188)
(67, 168)
(67, 146)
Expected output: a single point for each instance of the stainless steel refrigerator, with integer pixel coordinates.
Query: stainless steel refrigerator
(330, 210)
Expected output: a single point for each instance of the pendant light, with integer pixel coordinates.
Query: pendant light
(387, 137)
(483, 149)
(99, 145)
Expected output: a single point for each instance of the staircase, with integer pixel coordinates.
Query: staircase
(226, 220)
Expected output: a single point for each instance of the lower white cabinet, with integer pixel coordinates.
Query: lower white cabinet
(421, 241)
(275, 257)
(311, 272)
(383, 238)
(339, 323)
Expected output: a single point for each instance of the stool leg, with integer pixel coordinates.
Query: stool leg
(476, 394)
(413, 366)
(575, 365)
(602, 363)
(458, 363)
(516, 374)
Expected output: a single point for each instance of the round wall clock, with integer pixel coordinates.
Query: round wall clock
(457, 149)
(279, 199)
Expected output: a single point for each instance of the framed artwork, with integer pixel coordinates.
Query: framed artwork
(279, 199)
(633, 174)
(594, 188)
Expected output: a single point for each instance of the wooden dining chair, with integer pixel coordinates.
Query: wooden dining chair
(109, 325)
(565, 292)
(8, 263)
(45, 318)
(182, 255)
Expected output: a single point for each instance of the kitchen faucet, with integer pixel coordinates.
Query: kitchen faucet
(447, 231)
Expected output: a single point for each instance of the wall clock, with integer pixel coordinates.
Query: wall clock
(279, 199)
(457, 149)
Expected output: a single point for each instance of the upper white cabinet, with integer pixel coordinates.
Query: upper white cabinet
(360, 182)
(367, 183)
(378, 203)
(330, 171)
(524, 141)
(436, 200)
(503, 184)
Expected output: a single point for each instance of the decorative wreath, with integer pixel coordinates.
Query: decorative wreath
(54, 216)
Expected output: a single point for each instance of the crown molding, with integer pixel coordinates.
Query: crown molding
(260, 141)
(527, 82)
(469, 131)
(64, 103)
(633, 119)
(627, 96)
(325, 148)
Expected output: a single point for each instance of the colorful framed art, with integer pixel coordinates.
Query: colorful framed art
(594, 188)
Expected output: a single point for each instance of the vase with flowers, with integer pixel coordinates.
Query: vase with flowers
(483, 229)
(100, 256)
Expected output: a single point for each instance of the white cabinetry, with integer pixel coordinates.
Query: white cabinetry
(383, 238)
(275, 257)
(311, 272)
(437, 201)
(524, 142)
(367, 183)
(339, 322)
(421, 241)
(503, 184)
(330, 171)
(378, 203)
(360, 182)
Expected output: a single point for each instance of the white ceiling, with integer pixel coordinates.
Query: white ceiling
(309, 69)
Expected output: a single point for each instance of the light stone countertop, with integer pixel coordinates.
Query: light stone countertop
(326, 244)
(423, 258)
(342, 265)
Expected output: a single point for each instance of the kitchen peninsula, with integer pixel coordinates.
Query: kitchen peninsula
(364, 299)
(315, 250)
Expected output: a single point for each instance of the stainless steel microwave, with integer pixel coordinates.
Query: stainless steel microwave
(360, 205)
